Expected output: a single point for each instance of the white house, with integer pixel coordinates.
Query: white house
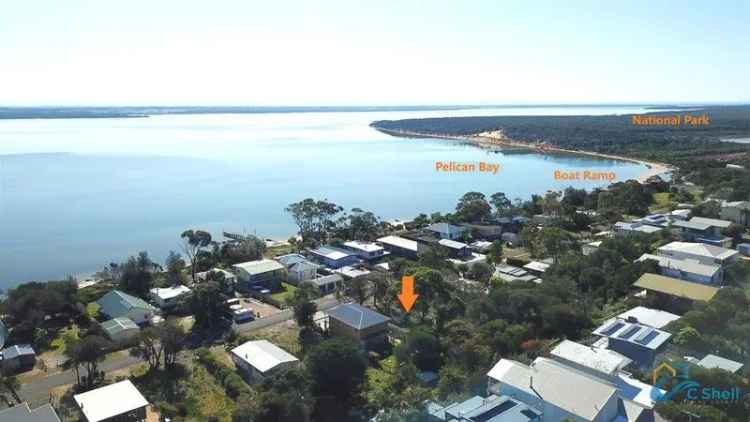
(258, 359)
(117, 304)
(119, 401)
(700, 252)
(558, 391)
(686, 269)
(654, 318)
(365, 250)
(168, 297)
(446, 231)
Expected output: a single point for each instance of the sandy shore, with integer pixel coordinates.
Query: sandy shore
(498, 140)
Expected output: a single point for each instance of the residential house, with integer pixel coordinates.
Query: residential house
(360, 323)
(623, 228)
(298, 268)
(703, 230)
(718, 362)
(333, 257)
(406, 248)
(700, 252)
(169, 297)
(599, 362)
(654, 318)
(118, 304)
(483, 409)
(23, 413)
(687, 269)
(510, 237)
(262, 273)
(328, 283)
(256, 360)
(744, 249)
(636, 341)
(453, 248)
(17, 358)
(737, 212)
(230, 279)
(485, 231)
(657, 220)
(683, 215)
(676, 288)
(369, 251)
(606, 365)
(120, 329)
(556, 390)
(510, 273)
(116, 402)
(446, 231)
(537, 268)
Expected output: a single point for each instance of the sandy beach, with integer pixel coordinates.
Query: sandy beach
(498, 139)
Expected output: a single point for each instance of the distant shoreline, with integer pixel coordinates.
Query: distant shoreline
(497, 139)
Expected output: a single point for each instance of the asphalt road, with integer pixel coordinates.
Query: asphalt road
(37, 392)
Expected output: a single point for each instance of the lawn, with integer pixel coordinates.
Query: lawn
(284, 335)
(287, 290)
(275, 251)
(661, 199)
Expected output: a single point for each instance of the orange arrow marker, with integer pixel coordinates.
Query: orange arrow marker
(407, 296)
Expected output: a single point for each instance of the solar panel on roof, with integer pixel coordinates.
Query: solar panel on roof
(629, 332)
(646, 337)
(612, 328)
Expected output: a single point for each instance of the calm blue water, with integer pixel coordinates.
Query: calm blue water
(77, 194)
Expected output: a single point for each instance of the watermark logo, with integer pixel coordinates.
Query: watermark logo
(686, 389)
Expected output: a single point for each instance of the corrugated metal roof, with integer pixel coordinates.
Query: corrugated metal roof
(601, 360)
(676, 287)
(259, 267)
(357, 316)
(117, 303)
(262, 354)
(688, 266)
(111, 400)
(399, 242)
(713, 361)
(22, 413)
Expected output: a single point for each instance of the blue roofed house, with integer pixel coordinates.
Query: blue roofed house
(118, 304)
(359, 323)
(333, 257)
(446, 231)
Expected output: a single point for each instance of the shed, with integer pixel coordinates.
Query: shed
(120, 329)
(121, 400)
(713, 361)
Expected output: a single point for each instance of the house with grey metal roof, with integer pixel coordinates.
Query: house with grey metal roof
(23, 413)
(118, 304)
(333, 257)
(686, 269)
(328, 283)
(703, 230)
(366, 250)
(17, 358)
(259, 359)
(484, 409)
(263, 272)
(718, 362)
(737, 212)
(120, 329)
(360, 323)
(446, 231)
(299, 269)
(622, 228)
(400, 246)
(638, 342)
(558, 391)
(701, 252)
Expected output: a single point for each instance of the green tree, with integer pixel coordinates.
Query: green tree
(314, 218)
(302, 302)
(501, 203)
(87, 353)
(422, 349)
(207, 305)
(175, 265)
(337, 370)
(194, 241)
(473, 207)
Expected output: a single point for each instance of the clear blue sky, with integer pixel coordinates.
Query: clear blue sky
(348, 52)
